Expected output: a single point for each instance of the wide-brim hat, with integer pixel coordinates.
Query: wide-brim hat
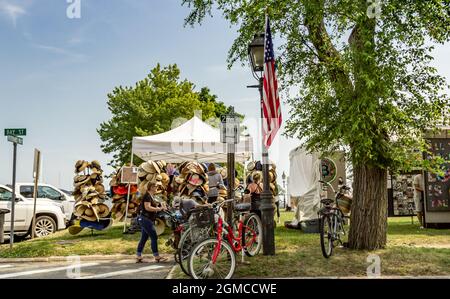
(251, 166)
(118, 196)
(143, 186)
(147, 167)
(103, 210)
(75, 229)
(95, 164)
(114, 182)
(95, 170)
(89, 218)
(223, 192)
(195, 180)
(224, 172)
(79, 209)
(165, 179)
(150, 176)
(141, 172)
(161, 164)
(99, 188)
(81, 165)
(87, 180)
(160, 226)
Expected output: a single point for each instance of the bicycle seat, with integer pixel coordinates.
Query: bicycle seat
(327, 201)
(242, 207)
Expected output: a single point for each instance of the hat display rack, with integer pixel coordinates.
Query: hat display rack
(120, 197)
(89, 191)
(192, 181)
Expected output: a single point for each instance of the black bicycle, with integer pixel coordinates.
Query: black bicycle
(332, 221)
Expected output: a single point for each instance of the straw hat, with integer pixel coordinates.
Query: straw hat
(103, 210)
(251, 166)
(257, 174)
(150, 177)
(161, 164)
(141, 172)
(165, 178)
(224, 172)
(96, 164)
(223, 193)
(195, 180)
(75, 229)
(81, 165)
(148, 167)
(159, 226)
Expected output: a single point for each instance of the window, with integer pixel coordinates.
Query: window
(50, 193)
(27, 191)
(5, 195)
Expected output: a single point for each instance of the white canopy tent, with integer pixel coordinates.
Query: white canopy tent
(304, 186)
(192, 141)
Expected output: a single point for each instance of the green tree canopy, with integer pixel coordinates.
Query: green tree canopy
(363, 68)
(150, 107)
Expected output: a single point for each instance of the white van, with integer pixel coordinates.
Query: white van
(49, 216)
(49, 192)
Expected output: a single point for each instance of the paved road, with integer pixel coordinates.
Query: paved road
(104, 269)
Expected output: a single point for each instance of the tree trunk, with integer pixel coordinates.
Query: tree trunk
(368, 221)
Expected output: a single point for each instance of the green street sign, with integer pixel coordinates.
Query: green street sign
(15, 139)
(15, 132)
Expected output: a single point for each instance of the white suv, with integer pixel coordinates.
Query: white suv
(49, 192)
(49, 216)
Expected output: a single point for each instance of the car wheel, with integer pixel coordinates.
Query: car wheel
(45, 225)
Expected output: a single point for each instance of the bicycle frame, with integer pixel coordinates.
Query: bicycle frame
(232, 239)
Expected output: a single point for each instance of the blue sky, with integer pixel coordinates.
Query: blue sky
(55, 73)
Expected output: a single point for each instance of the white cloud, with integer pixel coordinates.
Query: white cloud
(61, 51)
(12, 11)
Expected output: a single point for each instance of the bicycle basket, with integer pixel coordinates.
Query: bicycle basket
(202, 217)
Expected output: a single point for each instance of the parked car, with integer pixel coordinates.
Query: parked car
(49, 216)
(49, 192)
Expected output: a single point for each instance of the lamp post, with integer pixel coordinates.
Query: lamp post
(256, 55)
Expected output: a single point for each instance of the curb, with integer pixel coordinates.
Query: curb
(171, 272)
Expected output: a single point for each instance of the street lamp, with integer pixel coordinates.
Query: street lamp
(256, 56)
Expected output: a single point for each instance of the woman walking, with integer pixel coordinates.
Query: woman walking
(215, 182)
(146, 218)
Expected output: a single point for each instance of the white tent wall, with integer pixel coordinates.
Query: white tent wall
(192, 141)
(304, 187)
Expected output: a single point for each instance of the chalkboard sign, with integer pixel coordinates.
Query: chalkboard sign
(438, 186)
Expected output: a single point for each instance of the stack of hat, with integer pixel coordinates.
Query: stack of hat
(256, 168)
(192, 181)
(153, 171)
(120, 196)
(89, 191)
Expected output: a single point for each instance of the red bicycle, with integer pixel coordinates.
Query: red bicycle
(215, 257)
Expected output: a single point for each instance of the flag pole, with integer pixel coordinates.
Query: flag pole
(267, 209)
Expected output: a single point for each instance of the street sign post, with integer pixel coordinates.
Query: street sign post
(229, 134)
(36, 166)
(15, 132)
(15, 139)
(12, 135)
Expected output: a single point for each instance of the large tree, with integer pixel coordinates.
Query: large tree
(150, 107)
(365, 79)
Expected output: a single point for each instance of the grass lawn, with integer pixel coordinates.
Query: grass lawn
(410, 251)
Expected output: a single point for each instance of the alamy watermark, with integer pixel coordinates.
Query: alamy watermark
(374, 8)
(73, 10)
(374, 269)
(74, 269)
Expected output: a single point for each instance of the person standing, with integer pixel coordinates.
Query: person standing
(419, 197)
(146, 218)
(215, 182)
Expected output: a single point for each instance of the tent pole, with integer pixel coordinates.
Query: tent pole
(128, 197)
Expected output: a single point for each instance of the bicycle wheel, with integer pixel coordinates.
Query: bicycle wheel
(189, 238)
(201, 265)
(252, 235)
(326, 236)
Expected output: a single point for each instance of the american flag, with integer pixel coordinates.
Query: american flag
(271, 101)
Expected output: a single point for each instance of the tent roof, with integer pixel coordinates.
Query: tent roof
(193, 140)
